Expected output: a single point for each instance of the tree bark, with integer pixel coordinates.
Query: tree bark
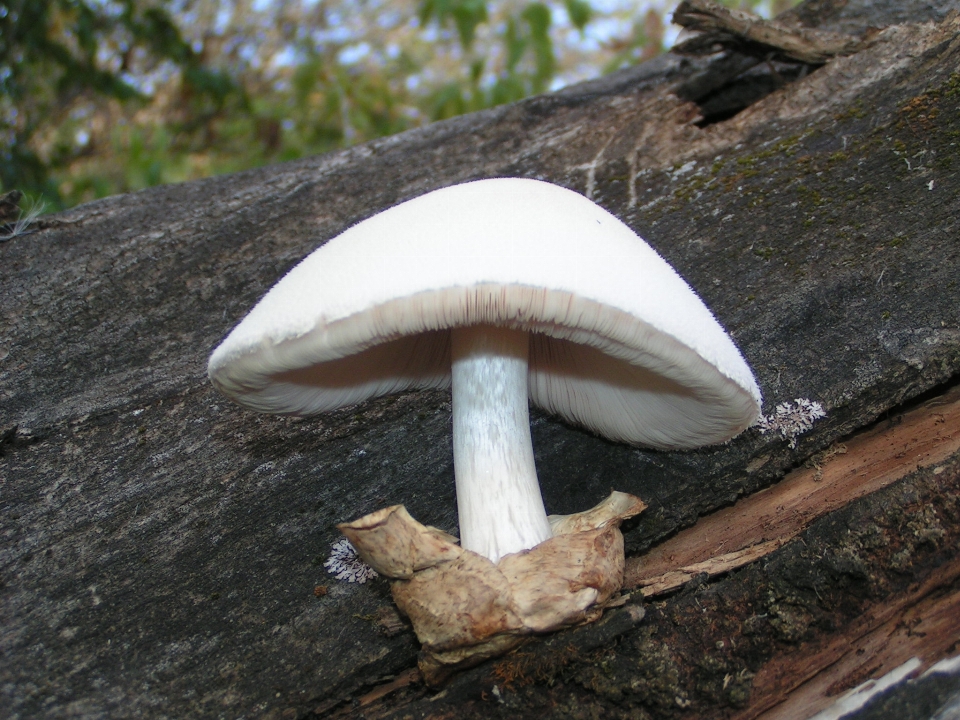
(163, 550)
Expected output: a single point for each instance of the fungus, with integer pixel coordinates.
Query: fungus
(507, 291)
(504, 288)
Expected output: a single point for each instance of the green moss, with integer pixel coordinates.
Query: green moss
(689, 190)
(926, 101)
(920, 126)
(838, 157)
(856, 111)
(723, 682)
(787, 146)
(790, 622)
(810, 196)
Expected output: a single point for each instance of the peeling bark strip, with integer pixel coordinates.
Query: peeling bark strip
(726, 27)
(765, 521)
(716, 565)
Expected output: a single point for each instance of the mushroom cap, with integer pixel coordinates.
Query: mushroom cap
(619, 342)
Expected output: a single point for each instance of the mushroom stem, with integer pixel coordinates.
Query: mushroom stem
(498, 495)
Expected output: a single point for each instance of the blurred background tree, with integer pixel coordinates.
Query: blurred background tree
(99, 97)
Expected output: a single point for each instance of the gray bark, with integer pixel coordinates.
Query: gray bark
(162, 547)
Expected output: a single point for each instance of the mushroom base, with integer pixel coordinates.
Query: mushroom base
(466, 609)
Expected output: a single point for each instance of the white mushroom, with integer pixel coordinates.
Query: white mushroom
(505, 289)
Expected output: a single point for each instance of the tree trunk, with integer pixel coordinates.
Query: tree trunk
(163, 549)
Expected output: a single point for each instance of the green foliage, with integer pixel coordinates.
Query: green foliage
(579, 13)
(466, 15)
(529, 65)
(105, 96)
(56, 54)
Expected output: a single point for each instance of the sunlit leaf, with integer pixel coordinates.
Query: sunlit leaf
(579, 13)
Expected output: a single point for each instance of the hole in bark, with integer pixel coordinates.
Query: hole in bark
(735, 82)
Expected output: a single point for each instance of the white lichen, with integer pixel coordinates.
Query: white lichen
(345, 564)
(791, 420)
